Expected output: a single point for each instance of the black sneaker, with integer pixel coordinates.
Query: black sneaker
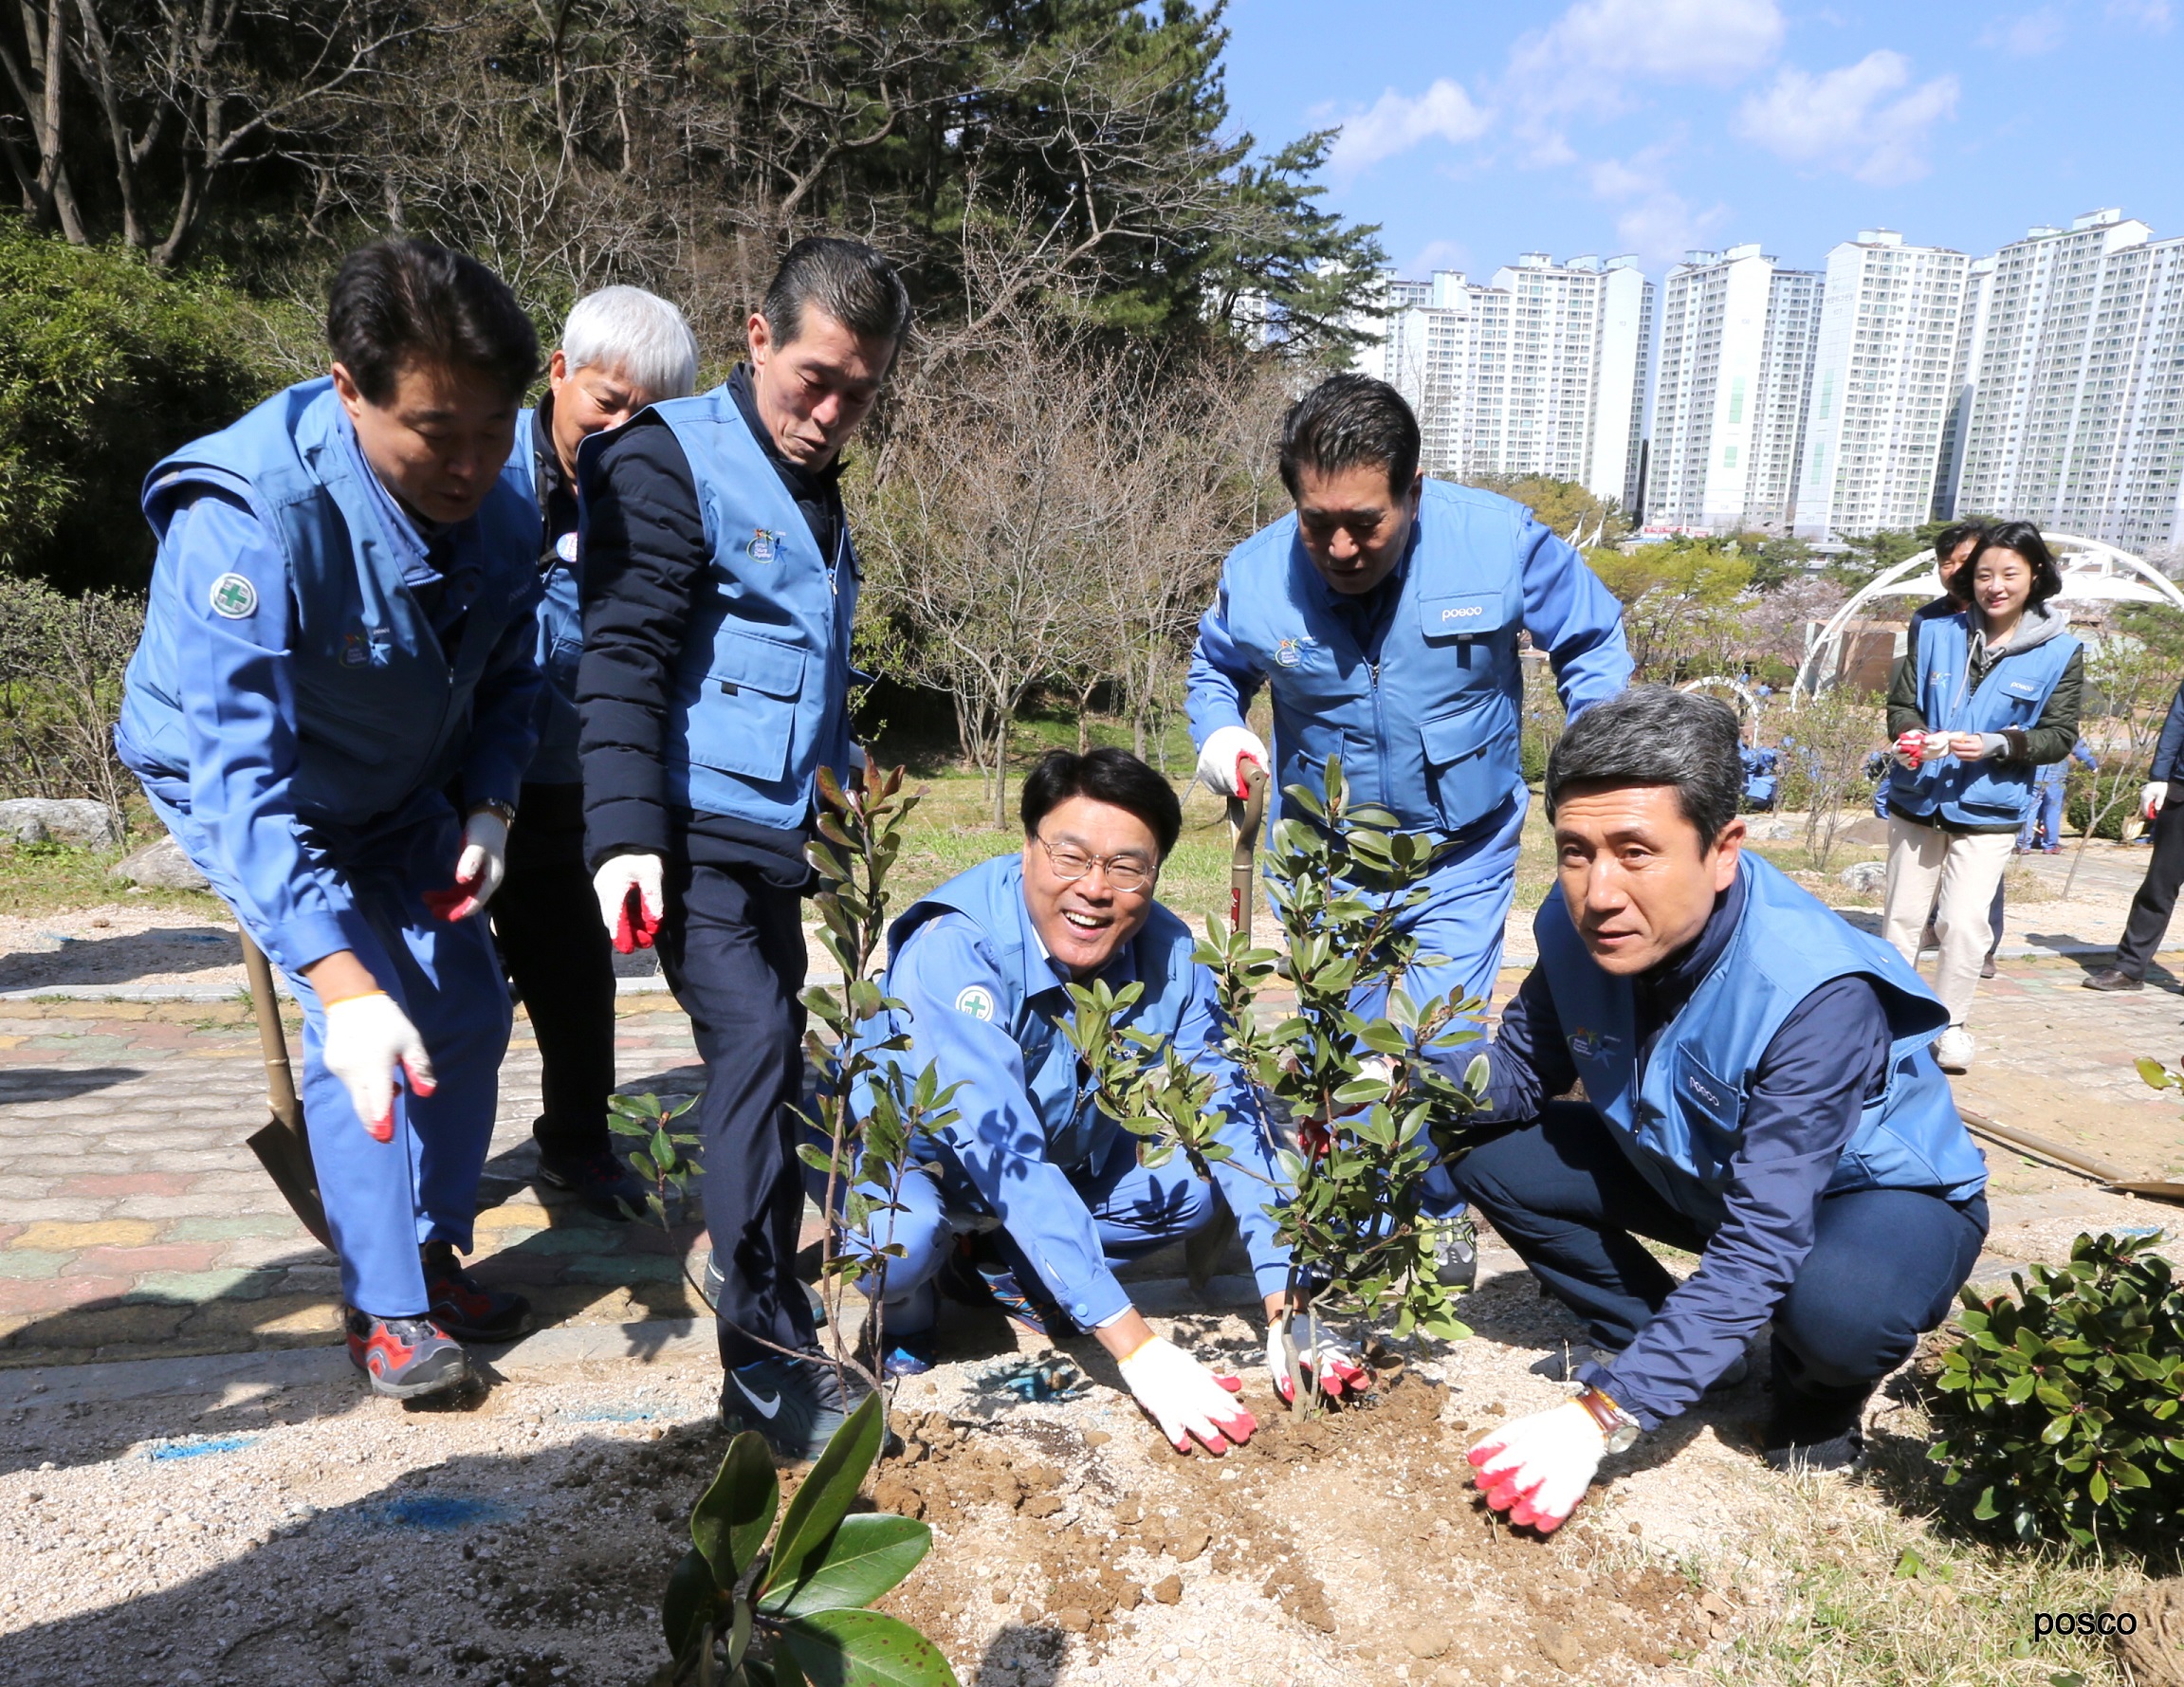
(796, 1403)
(405, 1358)
(1804, 1434)
(1454, 1245)
(601, 1184)
(974, 1282)
(2111, 978)
(1838, 1451)
(464, 1307)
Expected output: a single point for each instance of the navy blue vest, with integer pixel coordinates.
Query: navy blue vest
(382, 711)
(1989, 792)
(561, 632)
(1681, 1117)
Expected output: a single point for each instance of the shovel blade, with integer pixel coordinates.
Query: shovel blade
(287, 1161)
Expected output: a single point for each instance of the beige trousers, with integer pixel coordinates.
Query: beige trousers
(1955, 875)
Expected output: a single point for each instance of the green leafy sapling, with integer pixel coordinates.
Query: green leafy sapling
(750, 1605)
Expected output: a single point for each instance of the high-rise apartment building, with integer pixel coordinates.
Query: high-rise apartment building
(1729, 406)
(2072, 409)
(1544, 371)
(1884, 379)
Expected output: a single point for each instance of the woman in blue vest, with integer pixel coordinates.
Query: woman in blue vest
(1046, 1185)
(1982, 699)
(340, 634)
(1758, 1092)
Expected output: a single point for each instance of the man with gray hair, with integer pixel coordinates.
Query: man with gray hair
(1758, 1092)
(720, 584)
(621, 349)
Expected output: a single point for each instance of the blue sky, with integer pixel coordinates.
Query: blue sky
(1474, 131)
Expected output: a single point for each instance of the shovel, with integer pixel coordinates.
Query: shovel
(279, 1144)
(1245, 815)
(2101, 1171)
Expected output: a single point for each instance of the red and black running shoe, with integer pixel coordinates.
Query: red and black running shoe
(405, 1357)
(464, 1307)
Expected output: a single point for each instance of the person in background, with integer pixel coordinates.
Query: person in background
(1981, 699)
(340, 634)
(1759, 1093)
(2148, 922)
(719, 585)
(2044, 830)
(621, 349)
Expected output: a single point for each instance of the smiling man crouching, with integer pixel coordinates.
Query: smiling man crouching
(1762, 1067)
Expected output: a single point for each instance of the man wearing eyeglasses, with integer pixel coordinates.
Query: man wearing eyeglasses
(1048, 1190)
(1383, 616)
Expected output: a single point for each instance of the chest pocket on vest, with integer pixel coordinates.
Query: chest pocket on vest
(1470, 758)
(1707, 1112)
(745, 718)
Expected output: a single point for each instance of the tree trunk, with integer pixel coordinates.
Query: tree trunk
(1001, 771)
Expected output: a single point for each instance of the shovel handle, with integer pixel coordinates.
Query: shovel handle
(1246, 814)
(272, 1038)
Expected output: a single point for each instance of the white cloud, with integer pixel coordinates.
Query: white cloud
(2150, 15)
(1656, 222)
(1847, 121)
(1397, 123)
(2026, 37)
(1440, 254)
(1707, 40)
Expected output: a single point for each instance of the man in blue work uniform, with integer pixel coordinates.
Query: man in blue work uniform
(1383, 615)
(718, 587)
(340, 632)
(1759, 1091)
(1032, 1168)
(622, 349)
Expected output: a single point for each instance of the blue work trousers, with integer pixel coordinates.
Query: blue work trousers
(1138, 1211)
(2042, 827)
(384, 1199)
(1884, 1266)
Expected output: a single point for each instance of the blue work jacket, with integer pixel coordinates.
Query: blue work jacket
(1679, 1116)
(983, 1002)
(292, 686)
(560, 618)
(1992, 790)
(1427, 727)
(760, 699)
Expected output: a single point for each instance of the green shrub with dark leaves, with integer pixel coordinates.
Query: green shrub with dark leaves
(742, 1612)
(2065, 1400)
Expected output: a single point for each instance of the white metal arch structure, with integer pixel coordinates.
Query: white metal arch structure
(1741, 698)
(2093, 572)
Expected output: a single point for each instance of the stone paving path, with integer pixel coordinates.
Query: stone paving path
(134, 1222)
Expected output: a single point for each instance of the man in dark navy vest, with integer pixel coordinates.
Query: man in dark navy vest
(718, 587)
(1759, 1091)
(621, 349)
(340, 635)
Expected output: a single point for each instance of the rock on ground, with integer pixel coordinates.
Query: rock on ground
(162, 865)
(69, 821)
(1864, 876)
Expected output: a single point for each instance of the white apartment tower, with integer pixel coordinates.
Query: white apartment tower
(1544, 371)
(1884, 379)
(2072, 399)
(1729, 406)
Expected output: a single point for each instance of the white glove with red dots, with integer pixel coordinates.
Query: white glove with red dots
(1186, 1399)
(1538, 1468)
(1221, 763)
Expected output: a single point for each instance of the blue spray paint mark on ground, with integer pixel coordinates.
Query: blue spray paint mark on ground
(441, 1513)
(610, 1415)
(197, 1447)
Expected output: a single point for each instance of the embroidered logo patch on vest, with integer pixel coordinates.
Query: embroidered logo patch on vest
(233, 597)
(354, 655)
(1589, 1045)
(976, 1000)
(766, 545)
(1288, 653)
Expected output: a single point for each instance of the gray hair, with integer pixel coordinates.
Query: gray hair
(844, 279)
(639, 335)
(1650, 735)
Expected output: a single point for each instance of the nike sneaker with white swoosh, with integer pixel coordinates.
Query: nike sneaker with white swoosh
(796, 1403)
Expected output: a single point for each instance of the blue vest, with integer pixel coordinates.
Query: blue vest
(760, 699)
(1430, 732)
(561, 632)
(1681, 1117)
(382, 711)
(991, 896)
(1989, 792)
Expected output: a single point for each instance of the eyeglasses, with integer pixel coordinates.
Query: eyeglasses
(1126, 873)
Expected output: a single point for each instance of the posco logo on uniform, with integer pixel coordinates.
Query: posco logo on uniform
(1463, 613)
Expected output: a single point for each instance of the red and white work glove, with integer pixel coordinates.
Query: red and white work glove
(2151, 795)
(479, 869)
(1186, 1399)
(366, 1038)
(1221, 763)
(630, 900)
(1538, 1468)
(1338, 1366)
(1911, 747)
